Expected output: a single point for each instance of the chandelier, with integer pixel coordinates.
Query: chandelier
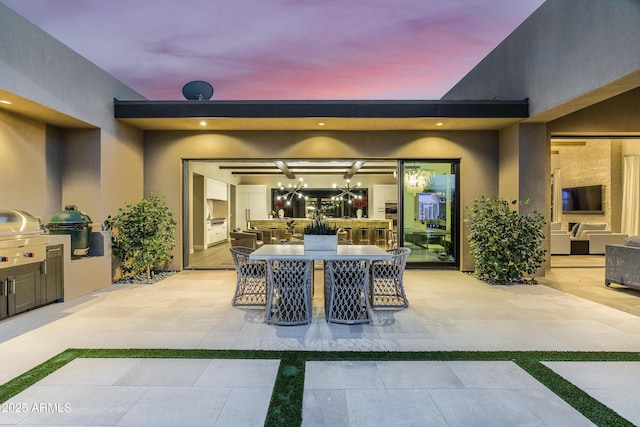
(292, 191)
(346, 193)
(416, 179)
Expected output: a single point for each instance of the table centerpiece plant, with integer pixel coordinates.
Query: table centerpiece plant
(320, 236)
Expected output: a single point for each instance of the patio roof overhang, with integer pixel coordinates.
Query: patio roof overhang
(361, 115)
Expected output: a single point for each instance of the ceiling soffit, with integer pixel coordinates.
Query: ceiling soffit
(321, 115)
(294, 168)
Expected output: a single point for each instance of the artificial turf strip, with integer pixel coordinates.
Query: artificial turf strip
(32, 376)
(285, 407)
(593, 409)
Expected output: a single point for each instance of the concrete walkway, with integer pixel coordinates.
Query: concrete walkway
(191, 310)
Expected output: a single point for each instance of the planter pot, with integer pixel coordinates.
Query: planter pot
(313, 242)
(280, 213)
(359, 213)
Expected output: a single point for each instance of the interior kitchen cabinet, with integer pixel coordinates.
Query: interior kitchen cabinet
(216, 190)
(384, 198)
(217, 231)
(251, 203)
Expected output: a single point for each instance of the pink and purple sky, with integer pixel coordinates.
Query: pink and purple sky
(282, 49)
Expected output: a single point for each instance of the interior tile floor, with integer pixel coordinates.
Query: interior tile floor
(448, 310)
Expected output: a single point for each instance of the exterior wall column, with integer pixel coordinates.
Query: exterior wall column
(524, 169)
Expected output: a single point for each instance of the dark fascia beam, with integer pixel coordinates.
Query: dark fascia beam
(355, 167)
(337, 109)
(285, 169)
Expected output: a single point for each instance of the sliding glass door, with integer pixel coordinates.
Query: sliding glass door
(429, 220)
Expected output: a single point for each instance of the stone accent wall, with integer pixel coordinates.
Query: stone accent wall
(595, 163)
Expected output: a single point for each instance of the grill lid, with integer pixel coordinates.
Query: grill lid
(69, 217)
(16, 223)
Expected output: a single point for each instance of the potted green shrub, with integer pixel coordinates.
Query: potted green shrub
(506, 245)
(320, 236)
(143, 235)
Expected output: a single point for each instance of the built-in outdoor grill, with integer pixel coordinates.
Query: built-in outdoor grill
(22, 239)
(25, 254)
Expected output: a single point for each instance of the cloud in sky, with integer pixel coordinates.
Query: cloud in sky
(283, 49)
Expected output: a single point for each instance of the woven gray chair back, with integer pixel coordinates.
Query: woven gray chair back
(346, 298)
(387, 287)
(289, 292)
(251, 278)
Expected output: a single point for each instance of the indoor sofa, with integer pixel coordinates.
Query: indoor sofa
(587, 238)
(560, 242)
(598, 239)
(580, 242)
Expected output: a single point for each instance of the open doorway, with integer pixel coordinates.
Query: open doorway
(587, 208)
(233, 194)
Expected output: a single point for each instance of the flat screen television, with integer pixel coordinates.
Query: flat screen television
(585, 200)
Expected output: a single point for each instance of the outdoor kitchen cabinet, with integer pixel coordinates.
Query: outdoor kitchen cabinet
(20, 288)
(52, 286)
(28, 286)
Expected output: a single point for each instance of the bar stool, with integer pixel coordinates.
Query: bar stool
(348, 239)
(380, 236)
(392, 239)
(364, 237)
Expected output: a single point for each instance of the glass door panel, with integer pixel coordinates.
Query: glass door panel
(429, 223)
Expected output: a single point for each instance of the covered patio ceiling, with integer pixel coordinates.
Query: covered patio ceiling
(292, 169)
(367, 115)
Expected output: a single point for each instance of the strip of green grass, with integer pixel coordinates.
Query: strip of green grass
(285, 407)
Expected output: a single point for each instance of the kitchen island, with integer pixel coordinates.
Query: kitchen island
(284, 232)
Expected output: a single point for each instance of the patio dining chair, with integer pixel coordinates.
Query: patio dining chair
(251, 278)
(289, 291)
(346, 297)
(387, 287)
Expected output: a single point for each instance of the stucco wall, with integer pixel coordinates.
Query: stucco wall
(101, 167)
(38, 67)
(24, 181)
(478, 152)
(567, 49)
(619, 115)
(45, 167)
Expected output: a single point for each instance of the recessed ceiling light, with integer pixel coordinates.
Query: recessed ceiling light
(4, 101)
(321, 124)
(439, 124)
(203, 123)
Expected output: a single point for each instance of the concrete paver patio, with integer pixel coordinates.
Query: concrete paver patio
(448, 310)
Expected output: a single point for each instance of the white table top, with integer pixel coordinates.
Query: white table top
(273, 252)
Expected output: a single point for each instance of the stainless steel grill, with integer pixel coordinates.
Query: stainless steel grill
(22, 239)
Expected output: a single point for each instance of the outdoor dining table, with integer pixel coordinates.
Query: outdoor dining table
(363, 253)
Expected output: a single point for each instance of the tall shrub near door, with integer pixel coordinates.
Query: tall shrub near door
(506, 245)
(143, 235)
